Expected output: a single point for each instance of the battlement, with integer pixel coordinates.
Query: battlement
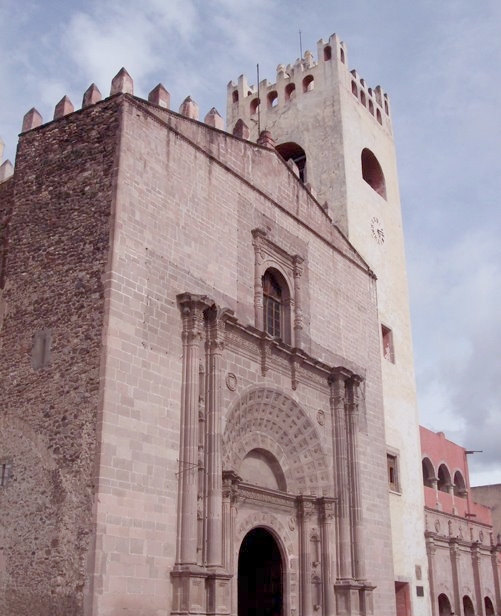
(122, 83)
(250, 103)
(6, 168)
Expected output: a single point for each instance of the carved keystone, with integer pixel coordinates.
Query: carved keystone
(214, 119)
(122, 83)
(32, 119)
(159, 96)
(64, 107)
(241, 130)
(91, 96)
(189, 108)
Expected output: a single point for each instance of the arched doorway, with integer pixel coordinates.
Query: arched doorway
(489, 608)
(260, 575)
(468, 606)
(444, 605)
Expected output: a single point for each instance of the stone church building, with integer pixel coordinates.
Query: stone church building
(207, 387)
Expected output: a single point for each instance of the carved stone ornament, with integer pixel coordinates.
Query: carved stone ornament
(437, 525)
(231, 381)
(320, 417)
(292, 524)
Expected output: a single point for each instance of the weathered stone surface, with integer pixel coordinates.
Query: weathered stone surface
(59, 207)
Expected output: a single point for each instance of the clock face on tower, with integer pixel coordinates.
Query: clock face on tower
(377, 230)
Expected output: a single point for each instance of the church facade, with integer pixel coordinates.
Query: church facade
(207, 387)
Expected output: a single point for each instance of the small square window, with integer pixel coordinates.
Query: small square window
(392, 465)
(40, 354)
(388, 350)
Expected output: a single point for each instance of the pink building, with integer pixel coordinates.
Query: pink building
(463, 553)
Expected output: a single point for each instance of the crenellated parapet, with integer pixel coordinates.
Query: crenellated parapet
(6, 168)
(122, 83)
(258, 105)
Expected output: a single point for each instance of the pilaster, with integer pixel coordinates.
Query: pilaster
(298, 312)
(327, 518)
(341, 480)
(352, 420)
(306, 510)
(215, 318)
(455, 556)
(188, 577)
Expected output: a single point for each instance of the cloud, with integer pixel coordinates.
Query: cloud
(142, 37)
(457, 331)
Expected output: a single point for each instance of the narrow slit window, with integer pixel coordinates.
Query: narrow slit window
(393, 483)
(388, 349)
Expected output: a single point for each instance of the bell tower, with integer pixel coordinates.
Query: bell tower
(336, 134)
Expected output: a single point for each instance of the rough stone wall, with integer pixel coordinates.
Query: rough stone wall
(6, 191)
(50, 358)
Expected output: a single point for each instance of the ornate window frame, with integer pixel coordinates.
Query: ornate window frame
(270, 256)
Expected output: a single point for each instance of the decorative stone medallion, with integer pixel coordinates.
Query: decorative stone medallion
(231, 381)
(321, 417)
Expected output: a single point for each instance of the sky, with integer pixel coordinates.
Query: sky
(439, 61)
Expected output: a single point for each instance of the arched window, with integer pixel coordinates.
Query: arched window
(293, 151)
(272, 99)
(342, 55)
(459, 485)
(362, 97)
(468, 606)
(444, 605)
(276, 305)
(354, 89)
(371, 107)
(235, 96)
(444, 478)
(372, 172)
(254, 106)
(308, 83)
(428, 473)
(489, 607)
(378, 116)
(327, 52)
(290, 90)
(261, 468)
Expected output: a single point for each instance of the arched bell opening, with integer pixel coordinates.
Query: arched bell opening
(293, 152)
(260, 575)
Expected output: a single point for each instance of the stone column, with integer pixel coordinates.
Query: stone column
(305, 511)
(258, 285)
(341, 477)
(496, 572)
(327, 508)
(230, 498)
(475, 560)
(214, 480)
(192, 308)
(352, 414)
(201, 513)
(455, 556)
(298, 306)
(431, 550)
